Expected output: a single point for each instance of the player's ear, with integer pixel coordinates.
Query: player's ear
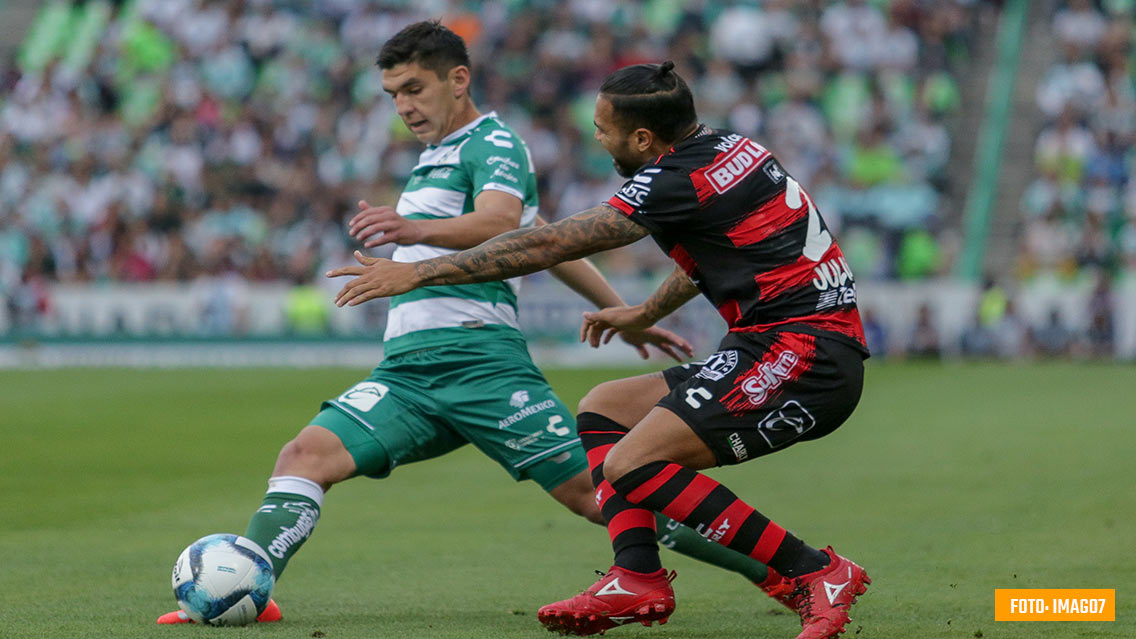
(459, 80)
(642, 139)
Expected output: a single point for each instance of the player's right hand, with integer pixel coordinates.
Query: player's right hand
(378, 225)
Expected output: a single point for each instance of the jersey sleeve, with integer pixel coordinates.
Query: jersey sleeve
(658, 198)
(498, 161)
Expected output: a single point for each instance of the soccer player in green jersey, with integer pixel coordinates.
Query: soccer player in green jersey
(456, 368)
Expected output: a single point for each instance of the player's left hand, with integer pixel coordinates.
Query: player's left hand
(662, 339)
(378, 225)
(375, 278)
(634, 328)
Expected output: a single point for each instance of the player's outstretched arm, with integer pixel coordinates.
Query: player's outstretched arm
(515, 253)
(583, 277)
(676, 290)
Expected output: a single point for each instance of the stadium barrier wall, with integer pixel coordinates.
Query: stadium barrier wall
(190, 325)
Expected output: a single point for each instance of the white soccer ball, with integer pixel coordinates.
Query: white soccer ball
(223, 580)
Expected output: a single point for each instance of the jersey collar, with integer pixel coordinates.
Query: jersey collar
(466, 129)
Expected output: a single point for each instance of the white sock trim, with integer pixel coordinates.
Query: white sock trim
(297, 486)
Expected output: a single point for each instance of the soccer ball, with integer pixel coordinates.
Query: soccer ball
(223, 580)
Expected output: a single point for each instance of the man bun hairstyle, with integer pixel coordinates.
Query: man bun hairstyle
(652, 97)
(427, 43)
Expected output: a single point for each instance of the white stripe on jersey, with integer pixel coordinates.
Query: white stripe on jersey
(445, 312)
(431, 200)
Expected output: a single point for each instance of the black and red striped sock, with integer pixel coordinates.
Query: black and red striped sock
(632, 529)
(716, 513)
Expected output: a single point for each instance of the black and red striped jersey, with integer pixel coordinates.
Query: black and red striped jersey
(747, 234)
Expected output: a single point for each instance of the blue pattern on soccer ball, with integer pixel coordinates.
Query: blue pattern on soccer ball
(195, 598)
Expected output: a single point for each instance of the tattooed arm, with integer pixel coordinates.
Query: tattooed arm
(676, 290)
(510, 254)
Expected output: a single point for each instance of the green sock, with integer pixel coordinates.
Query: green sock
(683, 540)
(286, 518)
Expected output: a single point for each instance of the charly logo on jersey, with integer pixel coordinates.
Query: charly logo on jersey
(718, 365)
(638, 187)
(364, 395)
(835, 282)
(519, 398)
(786, 424)
(769, 376)
(501, 138)
(744, 159)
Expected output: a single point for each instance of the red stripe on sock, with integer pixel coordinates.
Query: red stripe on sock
(597, 455)
(769, 542)
(603, 493)
(690, 497)
(653, 484)
(631, 518)
(730, 520)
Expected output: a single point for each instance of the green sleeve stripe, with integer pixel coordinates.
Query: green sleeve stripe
(492, 292)
(427, 216)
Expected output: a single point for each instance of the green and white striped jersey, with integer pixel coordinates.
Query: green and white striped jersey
(483, 155)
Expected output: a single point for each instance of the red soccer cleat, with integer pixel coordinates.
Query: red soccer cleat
(825, 596)
(270, 613)
(781, 589)
(619, 597)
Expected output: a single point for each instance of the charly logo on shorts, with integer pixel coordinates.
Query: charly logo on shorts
(718, 365)
(785, 424)
(364, 395)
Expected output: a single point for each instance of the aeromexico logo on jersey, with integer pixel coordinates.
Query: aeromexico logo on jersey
(744, 159)
(769, 376)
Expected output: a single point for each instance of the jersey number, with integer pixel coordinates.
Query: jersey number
(817, 240)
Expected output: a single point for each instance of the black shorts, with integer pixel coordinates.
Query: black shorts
(762, 392)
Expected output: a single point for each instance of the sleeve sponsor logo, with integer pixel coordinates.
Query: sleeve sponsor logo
(744, 159)
(774, 171)
(635, 191)
(500, 138)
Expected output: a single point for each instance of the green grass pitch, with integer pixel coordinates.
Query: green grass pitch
(948, 482)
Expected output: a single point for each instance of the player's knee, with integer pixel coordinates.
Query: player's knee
(618, 463)
(603, 399)
(314, 455)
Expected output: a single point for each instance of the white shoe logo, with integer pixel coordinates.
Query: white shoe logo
(613, 588)
(833, 591)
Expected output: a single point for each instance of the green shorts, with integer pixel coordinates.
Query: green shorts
(427, 403)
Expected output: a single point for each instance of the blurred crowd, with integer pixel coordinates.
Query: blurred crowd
(1079, 213)
(228, 140)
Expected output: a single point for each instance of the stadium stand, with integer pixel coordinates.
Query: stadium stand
(163, 140)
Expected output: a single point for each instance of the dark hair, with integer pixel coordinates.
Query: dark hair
(653, 97)
(427, 43)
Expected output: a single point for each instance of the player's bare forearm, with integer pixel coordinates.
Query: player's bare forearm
(532, 249)
(675, 291)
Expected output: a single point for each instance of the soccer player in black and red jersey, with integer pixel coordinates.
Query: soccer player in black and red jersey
(746, 235)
